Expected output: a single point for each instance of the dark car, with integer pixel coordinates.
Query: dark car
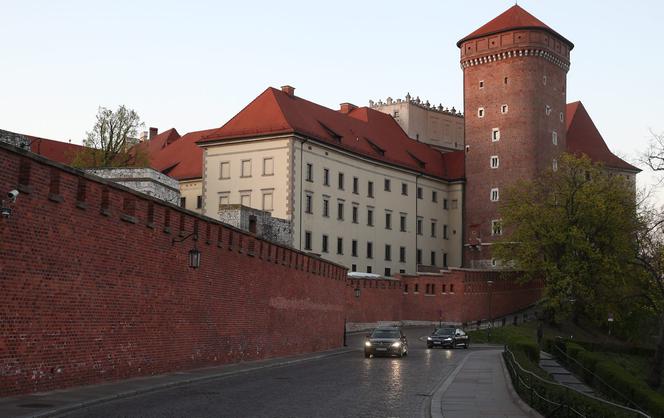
(448, 337)
(387, 341)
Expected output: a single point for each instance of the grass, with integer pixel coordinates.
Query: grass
(637, 366)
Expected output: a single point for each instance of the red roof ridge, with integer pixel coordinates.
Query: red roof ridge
(513, 18)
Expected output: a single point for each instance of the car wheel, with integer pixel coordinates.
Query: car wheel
(466, 345)
(366, 355)
(429, 345)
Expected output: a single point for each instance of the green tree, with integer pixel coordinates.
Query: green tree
(574, 229)
(112, 141)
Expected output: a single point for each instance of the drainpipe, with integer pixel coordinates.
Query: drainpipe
(301, 189)
(417, 177)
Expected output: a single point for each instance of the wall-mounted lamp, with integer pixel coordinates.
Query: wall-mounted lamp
(194, 255)
(357, 292)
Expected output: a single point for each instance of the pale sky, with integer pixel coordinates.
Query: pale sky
(193, 65)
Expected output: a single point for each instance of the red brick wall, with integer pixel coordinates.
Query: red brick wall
(379, 300)
(93, 290)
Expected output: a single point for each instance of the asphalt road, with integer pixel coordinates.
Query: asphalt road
(346, 385)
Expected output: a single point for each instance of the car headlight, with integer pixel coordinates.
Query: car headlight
(429, 338)
(367, 343)
(396, 344)
(448, 339)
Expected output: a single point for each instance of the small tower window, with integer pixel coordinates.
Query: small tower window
(496, 227)
(505, 80)
(554, 165)
(494, 161)
(554, 137)
(495, 134)
(481, 84)
(503, 109)
(495, 195)
(562, 118)
(544, 80)
(480, 112)
(547, 110)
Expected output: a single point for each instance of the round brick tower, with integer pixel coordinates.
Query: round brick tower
(515, 70)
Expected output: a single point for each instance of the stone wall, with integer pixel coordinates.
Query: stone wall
(267, 227)
(144, 180)
(14, 139)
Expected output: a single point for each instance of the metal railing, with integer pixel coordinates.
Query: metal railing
(555, 400)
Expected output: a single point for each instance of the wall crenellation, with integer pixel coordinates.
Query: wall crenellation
(417, 102)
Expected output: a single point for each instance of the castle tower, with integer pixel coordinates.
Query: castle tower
(515, 70)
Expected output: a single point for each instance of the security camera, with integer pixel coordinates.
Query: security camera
(12, 195)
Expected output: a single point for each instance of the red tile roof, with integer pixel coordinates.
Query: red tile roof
(513, 18)
(584, 138)
(362, 131)
(181, 159)
(62, 152)
(159, 142)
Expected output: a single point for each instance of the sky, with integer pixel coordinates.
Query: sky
(193, 65)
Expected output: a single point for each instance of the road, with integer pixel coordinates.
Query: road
(346, 385)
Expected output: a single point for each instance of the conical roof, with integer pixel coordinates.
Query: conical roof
(513, 18)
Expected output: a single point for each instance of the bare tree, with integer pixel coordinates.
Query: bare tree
(111, 143)
(654, 155)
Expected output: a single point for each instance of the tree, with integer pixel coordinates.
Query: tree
(574, 229)
(111, 143)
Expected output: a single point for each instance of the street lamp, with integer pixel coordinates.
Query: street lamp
(490, 284)
(194, 258)
(357, 292)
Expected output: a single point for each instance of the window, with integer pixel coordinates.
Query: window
(370, 189)
(495, 195)
(503, 109)
(562, 118)
(369, 249)
(340, 211)
(326, 207)
(324, 244)
(388, 252)
(369, 270)
(405, 288)
(434, 196)
(267, 201)
(544, 80)
(419, 226)
(494, 262)
(495, 134)
(326, 177)
(355, 214)
(353, 267)
(496, 227)
(433, 229)
(402, 223)
(388, 220)
(455, 203)
(388, 272)
(370, 217)
(307, 240)
(419, 256)
(416, 288)
(445, 236)
(341, 181)
(310, 172)
(396, 114)
(402, 254)
(443, 288)
(308, 206)
(554, 165)
(183, 202)
(224, 199)
(245, 199)
(225, 171)
(268, 166)
(481, 84)
(554, 137)
(433, 258)
(419, 193)
(340, 245)
(480, 112)
(356, 185)
(444, 259)
(505, 80)
(246, 168)
(199, 202)
(494, 161)
(547, 110)
(445, 204)
(387, 185)
(353, 248)
(451, 287)
(404, 189)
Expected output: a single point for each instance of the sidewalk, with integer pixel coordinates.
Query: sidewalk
(479, 387)
(53, 403)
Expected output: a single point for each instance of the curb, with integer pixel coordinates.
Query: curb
(186, 381)
(437, 398)
(514, 395)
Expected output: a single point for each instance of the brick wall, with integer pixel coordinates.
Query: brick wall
(92, 288)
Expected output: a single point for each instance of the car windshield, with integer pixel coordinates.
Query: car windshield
(385, 333)
(445, 331)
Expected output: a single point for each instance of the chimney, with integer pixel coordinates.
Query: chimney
(153, 132)
(289, 90)
(144, 136)
(346, 108)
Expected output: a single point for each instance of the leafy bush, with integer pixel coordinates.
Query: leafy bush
(526, 346)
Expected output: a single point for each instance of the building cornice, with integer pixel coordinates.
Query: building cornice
(516, 53)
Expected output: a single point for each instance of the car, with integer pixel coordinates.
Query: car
(388, 341)
(448, 337)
